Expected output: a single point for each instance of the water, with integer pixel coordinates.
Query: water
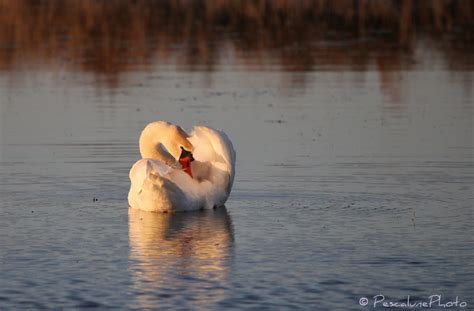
(353, 180)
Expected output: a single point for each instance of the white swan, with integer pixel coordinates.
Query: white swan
(165, 179)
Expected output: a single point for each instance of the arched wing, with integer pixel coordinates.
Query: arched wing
(215, 145)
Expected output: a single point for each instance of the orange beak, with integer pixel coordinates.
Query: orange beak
(186, 165)
(185, 160)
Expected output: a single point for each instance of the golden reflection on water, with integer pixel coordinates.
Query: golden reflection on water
(178, 246)
(108, 38)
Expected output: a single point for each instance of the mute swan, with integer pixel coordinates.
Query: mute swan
(181, 172)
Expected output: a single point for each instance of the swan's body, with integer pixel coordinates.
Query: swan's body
(159, 184)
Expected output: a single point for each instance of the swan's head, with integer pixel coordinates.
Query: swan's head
(175, 139)
(164, 141)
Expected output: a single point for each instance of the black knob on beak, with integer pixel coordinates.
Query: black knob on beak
(186, 154)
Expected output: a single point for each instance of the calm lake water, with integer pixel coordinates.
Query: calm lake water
(353, 179)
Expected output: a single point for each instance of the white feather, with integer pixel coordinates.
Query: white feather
(156, 186)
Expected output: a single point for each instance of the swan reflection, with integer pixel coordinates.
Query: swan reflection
(179, 257)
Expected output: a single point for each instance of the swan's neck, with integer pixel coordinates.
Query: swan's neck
(152, 148)
(161, 141)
